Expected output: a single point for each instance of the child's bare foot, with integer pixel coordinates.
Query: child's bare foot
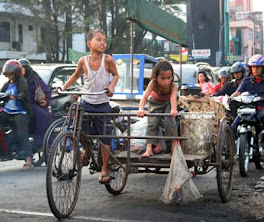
(147, 154)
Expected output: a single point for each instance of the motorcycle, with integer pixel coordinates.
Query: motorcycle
(249, 131)
(8, 143)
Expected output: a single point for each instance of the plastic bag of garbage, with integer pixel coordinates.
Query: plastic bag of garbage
(179, 187)
(138, 129)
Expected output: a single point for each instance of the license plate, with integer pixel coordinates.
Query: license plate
(246, 110)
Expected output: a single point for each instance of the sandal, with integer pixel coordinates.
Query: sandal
(104, 179)
(27, 167)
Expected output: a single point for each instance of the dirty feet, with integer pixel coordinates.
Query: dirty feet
(147, 154)
(157, 149)
(104, 178)
(27, 167)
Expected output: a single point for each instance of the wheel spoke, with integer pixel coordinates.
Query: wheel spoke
(63, 178)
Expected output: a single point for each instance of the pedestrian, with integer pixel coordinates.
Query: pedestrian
(161, 95)
(97, 69)
(17, 110)
(204, 83)
(41, 116)
(223, 77)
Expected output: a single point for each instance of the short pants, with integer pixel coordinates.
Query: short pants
(95, 125)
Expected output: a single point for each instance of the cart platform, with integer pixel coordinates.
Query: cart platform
(159, 160)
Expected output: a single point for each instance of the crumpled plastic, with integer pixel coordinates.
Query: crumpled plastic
(179, 188)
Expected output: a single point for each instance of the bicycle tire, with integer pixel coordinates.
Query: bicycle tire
(118, 179)
(49, 137)
(63, 180)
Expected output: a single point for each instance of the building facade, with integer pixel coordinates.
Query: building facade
(246, 31)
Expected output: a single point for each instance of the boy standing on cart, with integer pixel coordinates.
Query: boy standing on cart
(97, 69)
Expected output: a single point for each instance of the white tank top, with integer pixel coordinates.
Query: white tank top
(96, 81)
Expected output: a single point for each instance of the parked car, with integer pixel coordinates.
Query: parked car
(190, 73)
(55, 75)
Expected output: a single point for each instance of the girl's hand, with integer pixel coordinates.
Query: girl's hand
(140, 113)
(174, 113)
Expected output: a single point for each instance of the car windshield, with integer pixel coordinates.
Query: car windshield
(188, 74)
(45, 74)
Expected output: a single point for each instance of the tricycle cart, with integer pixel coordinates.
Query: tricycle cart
(64, 163)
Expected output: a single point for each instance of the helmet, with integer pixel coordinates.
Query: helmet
(223, 74)
(238, 67)
(24, 62)
(12, 67)
(256, 60)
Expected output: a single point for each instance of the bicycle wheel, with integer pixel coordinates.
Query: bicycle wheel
(225, 159)
(49, 137)
(118, 179)
(63, 176)
(243, 157)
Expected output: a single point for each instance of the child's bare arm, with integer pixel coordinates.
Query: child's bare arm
(145, 98)
(112, 69)
(76, 75)
(173, 100)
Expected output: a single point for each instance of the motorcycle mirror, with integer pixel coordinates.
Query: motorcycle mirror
(257, 98)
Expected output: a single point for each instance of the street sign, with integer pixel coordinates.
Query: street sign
(201, 53)
(233, 58)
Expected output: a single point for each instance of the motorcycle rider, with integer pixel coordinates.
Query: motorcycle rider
(17, 109)
(253, 84)
(238, 72)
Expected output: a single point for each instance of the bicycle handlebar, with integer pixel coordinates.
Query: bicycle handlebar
(59, 91)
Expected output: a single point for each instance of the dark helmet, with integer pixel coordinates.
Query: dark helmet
(12, 67)
(25, 62)
(238, 67)
(223, 74)
(256, 60)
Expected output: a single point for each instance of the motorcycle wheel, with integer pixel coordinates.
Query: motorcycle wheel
(257, 159)
(243, 157)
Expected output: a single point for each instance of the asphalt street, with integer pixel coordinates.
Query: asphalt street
(23, 198)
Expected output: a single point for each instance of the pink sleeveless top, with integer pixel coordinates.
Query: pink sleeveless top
(158, 96)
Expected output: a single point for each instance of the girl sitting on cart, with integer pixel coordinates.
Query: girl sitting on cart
(161, 95)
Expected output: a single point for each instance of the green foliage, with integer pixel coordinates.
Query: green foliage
(62, 18)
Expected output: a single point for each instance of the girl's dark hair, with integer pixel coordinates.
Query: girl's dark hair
(160, 67)
(92, 33)
(205, 75)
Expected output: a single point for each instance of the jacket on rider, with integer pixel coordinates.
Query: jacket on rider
(22, 86)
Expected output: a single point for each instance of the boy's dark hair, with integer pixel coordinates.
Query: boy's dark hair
(162, 65)
(92, 33)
